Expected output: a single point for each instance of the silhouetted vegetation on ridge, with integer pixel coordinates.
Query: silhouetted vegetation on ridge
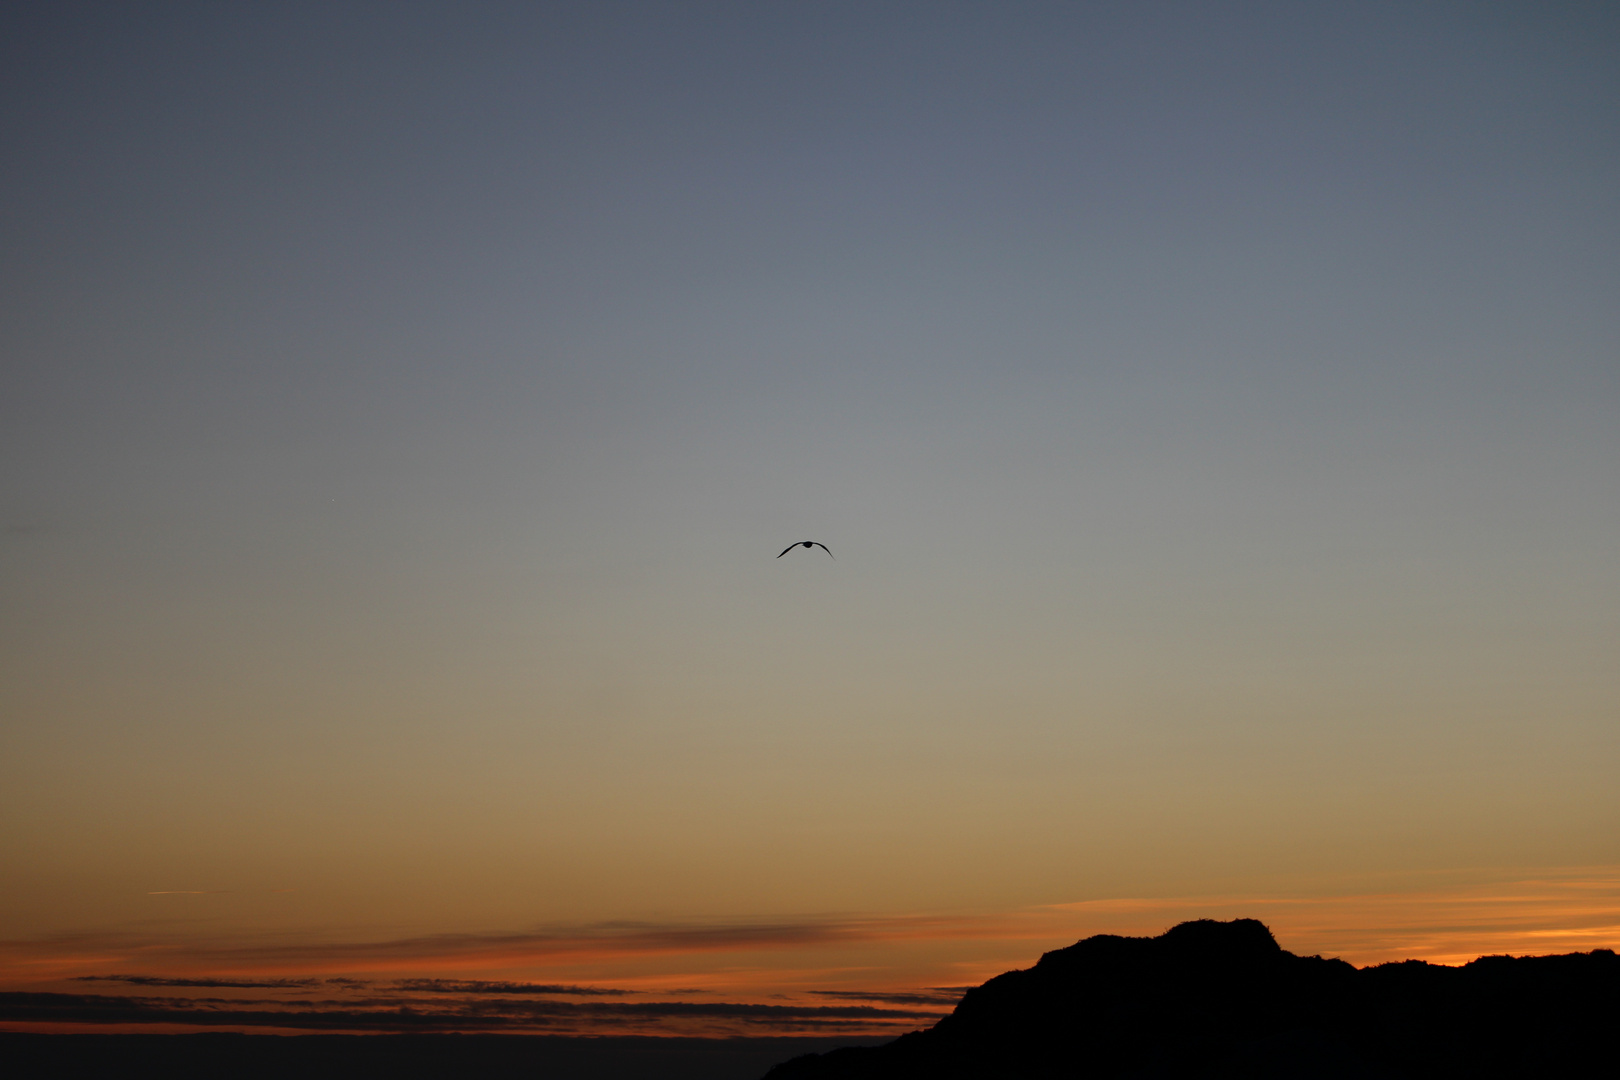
(1211, 998)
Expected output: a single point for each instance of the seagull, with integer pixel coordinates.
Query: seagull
(805, 543)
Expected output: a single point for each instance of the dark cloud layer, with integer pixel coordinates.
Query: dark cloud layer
(216, 984)
(415, 986)
(947, 996)
(449, 1014)
(595, 939)
(486, 986)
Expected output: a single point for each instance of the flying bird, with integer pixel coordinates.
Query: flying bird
(805, 543)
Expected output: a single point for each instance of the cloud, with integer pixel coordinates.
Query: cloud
(236, 984)
(941, 996)
(452, 1014)
(486, 986)
(417, 986)
(1453, 919)
(576, 944)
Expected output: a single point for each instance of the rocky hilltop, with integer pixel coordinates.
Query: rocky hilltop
(1213, 998)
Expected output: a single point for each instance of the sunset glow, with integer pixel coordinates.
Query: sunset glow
(865, 976)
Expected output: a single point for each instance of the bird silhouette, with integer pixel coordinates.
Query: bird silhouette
(805, 543)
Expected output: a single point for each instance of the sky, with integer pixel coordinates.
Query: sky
(1212, 411)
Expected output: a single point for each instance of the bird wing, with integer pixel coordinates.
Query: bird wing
(822, 546)
(790, 547)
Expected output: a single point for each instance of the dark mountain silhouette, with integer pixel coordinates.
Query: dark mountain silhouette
(1223, 999)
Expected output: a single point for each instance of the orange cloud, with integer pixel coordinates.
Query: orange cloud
(812, 962)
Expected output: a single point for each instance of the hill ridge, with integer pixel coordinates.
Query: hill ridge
(1212, 998)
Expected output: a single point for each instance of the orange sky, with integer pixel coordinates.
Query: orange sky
(803, 965)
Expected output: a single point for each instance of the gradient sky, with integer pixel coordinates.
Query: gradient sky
(1214, 411)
